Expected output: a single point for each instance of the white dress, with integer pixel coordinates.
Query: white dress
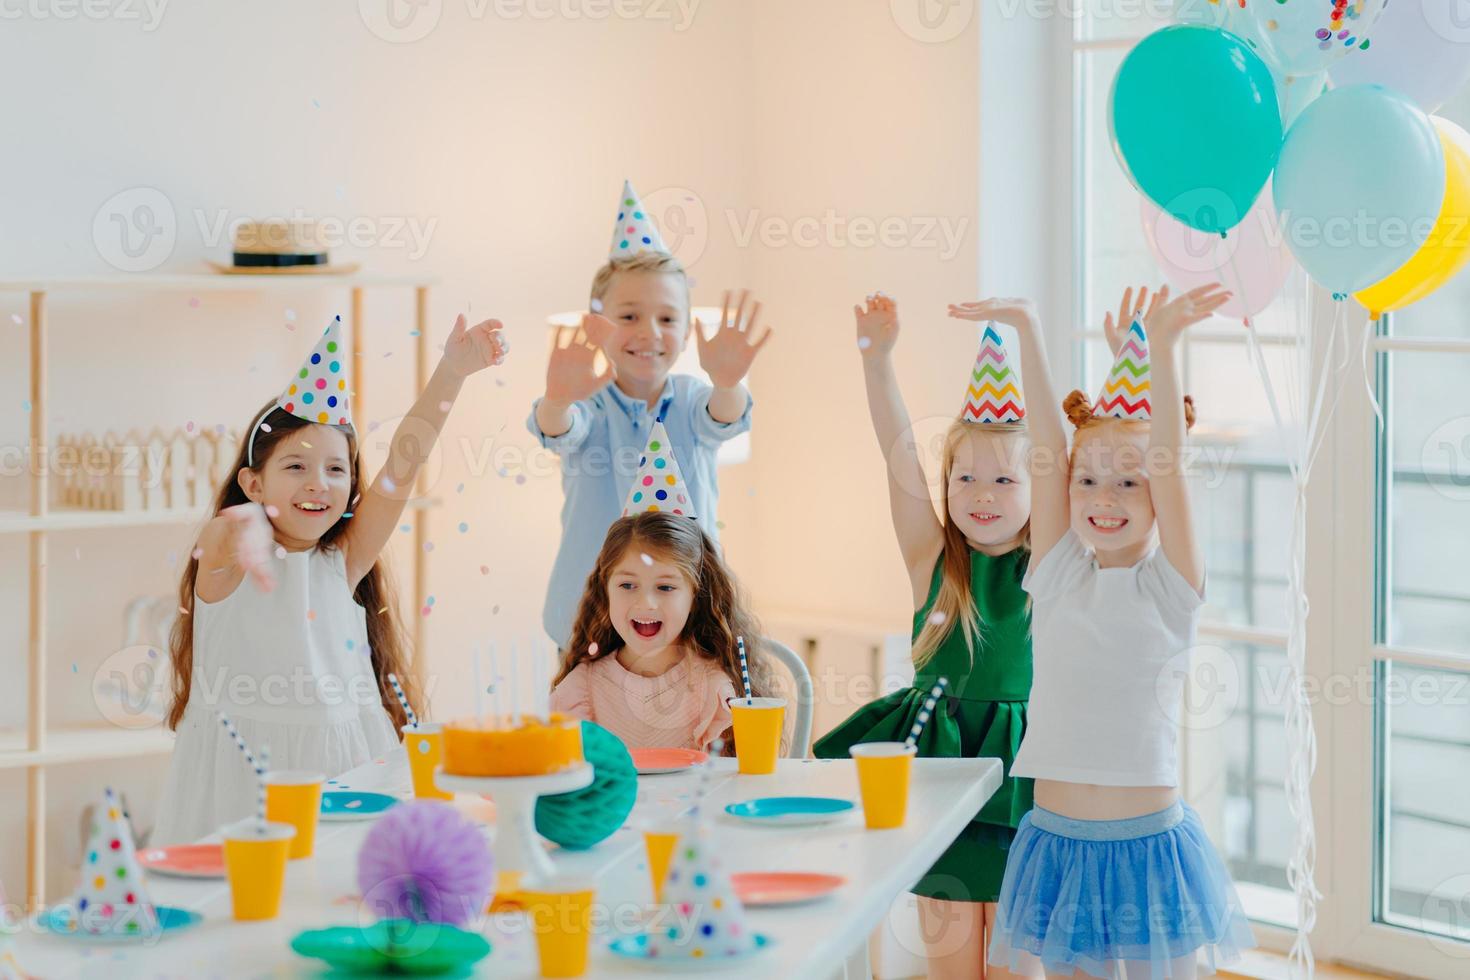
(292, 670)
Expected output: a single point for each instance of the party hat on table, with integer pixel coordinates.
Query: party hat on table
(112, 899)
(634, 232)
(1125, 395)
(700, 917)
(659, 486)
(993, 394)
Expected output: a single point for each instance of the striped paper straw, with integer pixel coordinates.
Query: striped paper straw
(250, 759)
(701, 790)
(925, 712)
(403, 700)
(744, 667)
(265, 756)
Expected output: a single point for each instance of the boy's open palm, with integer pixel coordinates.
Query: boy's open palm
(572, 374)
(877, 325)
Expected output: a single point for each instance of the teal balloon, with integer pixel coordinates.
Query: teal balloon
(1195, 124)
(586, 817)
(1359, 185)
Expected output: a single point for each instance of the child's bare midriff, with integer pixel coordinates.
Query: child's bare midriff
(1088, 801)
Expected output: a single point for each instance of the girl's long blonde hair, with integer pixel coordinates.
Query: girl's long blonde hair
(720, 612)
(375, 593)
(955, 604)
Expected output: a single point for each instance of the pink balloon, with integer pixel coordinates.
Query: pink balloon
(1251, 260)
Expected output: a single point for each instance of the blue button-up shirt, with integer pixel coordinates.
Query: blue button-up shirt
(599, 458)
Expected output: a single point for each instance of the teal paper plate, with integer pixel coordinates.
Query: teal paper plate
(791, 810)
(635, 949)
(343, 805)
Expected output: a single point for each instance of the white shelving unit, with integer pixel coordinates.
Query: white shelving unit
(40, 746)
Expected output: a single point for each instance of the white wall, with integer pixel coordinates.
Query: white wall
(510, 136)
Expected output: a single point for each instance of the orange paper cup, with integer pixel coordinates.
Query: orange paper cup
(424, 744)
(295, 798)
(560, 914)
(883, 779)
(256, 865)
(758, 726)
(660, 841)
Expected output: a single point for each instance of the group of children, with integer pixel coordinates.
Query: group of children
(1084, 860)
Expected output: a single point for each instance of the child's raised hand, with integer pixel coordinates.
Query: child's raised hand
(1012, 311)
(877, 325)
(572, 375)
(471, 349)
(1167, 319)
(250, 542)
(726, 357)
(1130, 309)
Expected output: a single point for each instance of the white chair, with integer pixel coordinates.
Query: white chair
(805, 697)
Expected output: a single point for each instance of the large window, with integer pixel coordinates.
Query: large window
(1388, 573)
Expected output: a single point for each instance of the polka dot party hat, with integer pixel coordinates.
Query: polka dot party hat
(318, 391)
(994, 393)
(634, 232)
(700, 918)
(658, 485)
(112, 899)
(1125, 394)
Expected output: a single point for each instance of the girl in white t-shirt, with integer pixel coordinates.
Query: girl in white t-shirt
(1111, 874)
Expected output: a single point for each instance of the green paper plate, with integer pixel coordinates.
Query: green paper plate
(398, 946)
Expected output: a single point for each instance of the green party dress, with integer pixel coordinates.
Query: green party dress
(982, 714)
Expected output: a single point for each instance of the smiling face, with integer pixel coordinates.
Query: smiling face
(1112, 510)
(648, 600)
(650, 311)
(307, 479)
(989, 489)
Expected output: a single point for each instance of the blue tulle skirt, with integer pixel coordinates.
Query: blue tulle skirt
(1094, 895)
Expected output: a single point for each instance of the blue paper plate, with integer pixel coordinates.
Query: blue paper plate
(340, 806)
(790, 810)
(60, 920)
(635, 948)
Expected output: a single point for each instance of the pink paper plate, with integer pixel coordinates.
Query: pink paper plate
(185, 860)
(649, 762)
(766, 888)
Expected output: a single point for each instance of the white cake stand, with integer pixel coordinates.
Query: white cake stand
(517, 846)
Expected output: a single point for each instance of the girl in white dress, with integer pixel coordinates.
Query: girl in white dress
(291, 625)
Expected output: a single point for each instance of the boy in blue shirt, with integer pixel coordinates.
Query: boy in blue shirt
(599, 423)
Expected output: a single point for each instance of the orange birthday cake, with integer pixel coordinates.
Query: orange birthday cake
(502, 747)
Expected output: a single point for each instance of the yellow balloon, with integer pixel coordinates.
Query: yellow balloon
(1447, 248)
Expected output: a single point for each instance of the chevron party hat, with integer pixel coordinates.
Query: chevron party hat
(993, 394)
(658, 485)
(112, 899)
(634, 232)
(318, 391)
(1125, 395)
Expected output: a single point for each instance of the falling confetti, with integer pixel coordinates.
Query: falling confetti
(596, 305)
(428, 546)
(316, 104)
(198, 553)
(459, 489)
(413, 333)
(305, 444)
(290, 313)
(937, 617)
(389, 485)
(404, 528)
(864, 343)
(430, 600)
(73, 668)
(188, 426)
(25, 406)
(592, 649)
(15, 319)
(495, 610)
(463, 527)
(520, 479)
(484, 569)
(310, 615)
(265, 427)
(194, 302)
(445, 406)
(280, 552)
(646, 560)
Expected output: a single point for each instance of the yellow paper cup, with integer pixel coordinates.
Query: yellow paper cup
(758, 725)
(295, 798)
(560, 915)
(256, 865)
(424, 744)
(883, 779)
(660, 841)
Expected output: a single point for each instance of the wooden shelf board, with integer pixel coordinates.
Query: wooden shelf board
(209, 281)
(83, 744)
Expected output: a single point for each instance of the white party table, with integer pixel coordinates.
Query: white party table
(824, 938)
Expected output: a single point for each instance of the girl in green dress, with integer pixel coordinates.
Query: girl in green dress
(972, 622)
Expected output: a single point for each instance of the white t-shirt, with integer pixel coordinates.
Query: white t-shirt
(1110, 654)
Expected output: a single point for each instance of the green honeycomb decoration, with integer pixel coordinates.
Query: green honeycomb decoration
(587, 817)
